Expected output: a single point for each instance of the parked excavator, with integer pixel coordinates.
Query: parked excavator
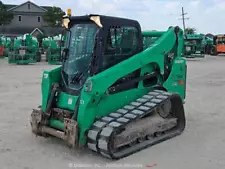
(25, 50)
(115, 98)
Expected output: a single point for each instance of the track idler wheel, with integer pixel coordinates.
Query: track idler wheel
(165, 110)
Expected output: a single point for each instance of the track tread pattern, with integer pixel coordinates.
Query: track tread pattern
(99, 136)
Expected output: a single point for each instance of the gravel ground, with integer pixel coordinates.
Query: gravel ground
(201, 146)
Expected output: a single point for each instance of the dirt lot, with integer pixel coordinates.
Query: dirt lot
(200, 147)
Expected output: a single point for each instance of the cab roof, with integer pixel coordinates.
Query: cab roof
(106, 20)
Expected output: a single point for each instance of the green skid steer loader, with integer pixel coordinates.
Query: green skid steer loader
(110, 94)
(25, 50)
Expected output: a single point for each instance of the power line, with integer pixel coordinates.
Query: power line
(183, 18)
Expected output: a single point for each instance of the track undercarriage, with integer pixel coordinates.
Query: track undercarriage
(155, 117)
(149, 120)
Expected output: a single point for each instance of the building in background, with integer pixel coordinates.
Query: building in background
(28, 18)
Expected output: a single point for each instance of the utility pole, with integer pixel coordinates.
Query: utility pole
(183, 18)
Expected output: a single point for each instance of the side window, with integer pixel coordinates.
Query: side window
(39, 19)
(122, 43)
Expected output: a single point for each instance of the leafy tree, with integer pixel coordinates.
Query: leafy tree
(5, 16)
(54, 16)
(190, 30)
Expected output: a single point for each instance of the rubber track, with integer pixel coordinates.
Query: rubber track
(102, 132)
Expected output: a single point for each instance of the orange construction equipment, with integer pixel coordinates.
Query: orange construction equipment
(219, 42)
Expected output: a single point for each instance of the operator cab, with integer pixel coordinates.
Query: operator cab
(95, 43)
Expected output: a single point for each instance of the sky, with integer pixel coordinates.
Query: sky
(206, 16)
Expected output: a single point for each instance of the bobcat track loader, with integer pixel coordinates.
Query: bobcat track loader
(110, 94)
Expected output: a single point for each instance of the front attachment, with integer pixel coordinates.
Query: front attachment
(40, 127)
